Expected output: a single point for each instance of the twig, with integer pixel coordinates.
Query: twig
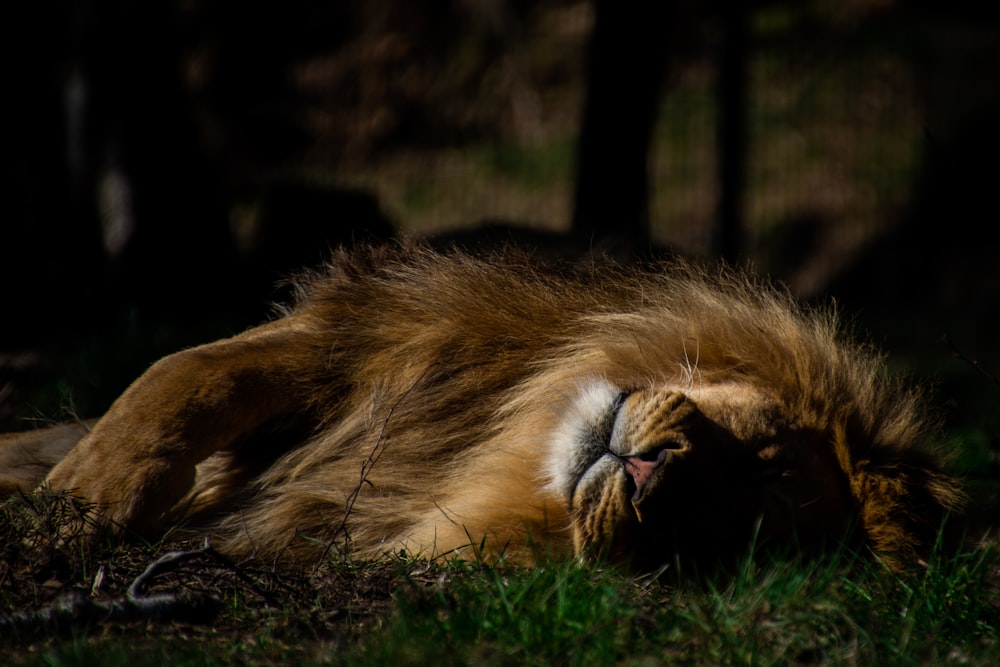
(164, 605)
(974, 363)
(381, 442)
(75, 610)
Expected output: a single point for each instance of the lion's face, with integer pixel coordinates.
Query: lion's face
(656, 473)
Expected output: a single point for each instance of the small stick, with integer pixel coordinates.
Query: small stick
(974, 363)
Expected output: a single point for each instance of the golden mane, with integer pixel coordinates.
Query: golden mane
(460, 350)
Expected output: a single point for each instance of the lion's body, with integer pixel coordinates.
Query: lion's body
(423, 401)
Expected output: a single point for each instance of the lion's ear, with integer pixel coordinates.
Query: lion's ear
(902, 497)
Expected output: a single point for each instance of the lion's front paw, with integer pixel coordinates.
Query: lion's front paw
(123, 492)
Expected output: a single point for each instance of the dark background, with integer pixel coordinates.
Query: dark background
(169, 162)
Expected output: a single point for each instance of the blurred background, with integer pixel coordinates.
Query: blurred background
(169, 162)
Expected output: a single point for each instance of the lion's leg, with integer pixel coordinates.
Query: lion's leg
(140, 458)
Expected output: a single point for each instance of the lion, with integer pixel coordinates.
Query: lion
(440, 404)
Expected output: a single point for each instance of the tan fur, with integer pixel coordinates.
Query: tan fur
(25, 458)
(438, 403)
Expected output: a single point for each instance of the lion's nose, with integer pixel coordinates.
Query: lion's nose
(641, 467)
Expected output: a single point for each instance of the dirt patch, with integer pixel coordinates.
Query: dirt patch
(53, 589)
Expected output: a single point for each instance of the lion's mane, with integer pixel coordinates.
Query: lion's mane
(443, 377)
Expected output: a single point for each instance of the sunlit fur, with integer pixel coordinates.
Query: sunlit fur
(440, 402)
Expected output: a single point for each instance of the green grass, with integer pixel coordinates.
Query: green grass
(793, 611)
(836, 610)
(560, 614)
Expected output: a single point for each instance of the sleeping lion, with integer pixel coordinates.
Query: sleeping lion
(438, 404)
